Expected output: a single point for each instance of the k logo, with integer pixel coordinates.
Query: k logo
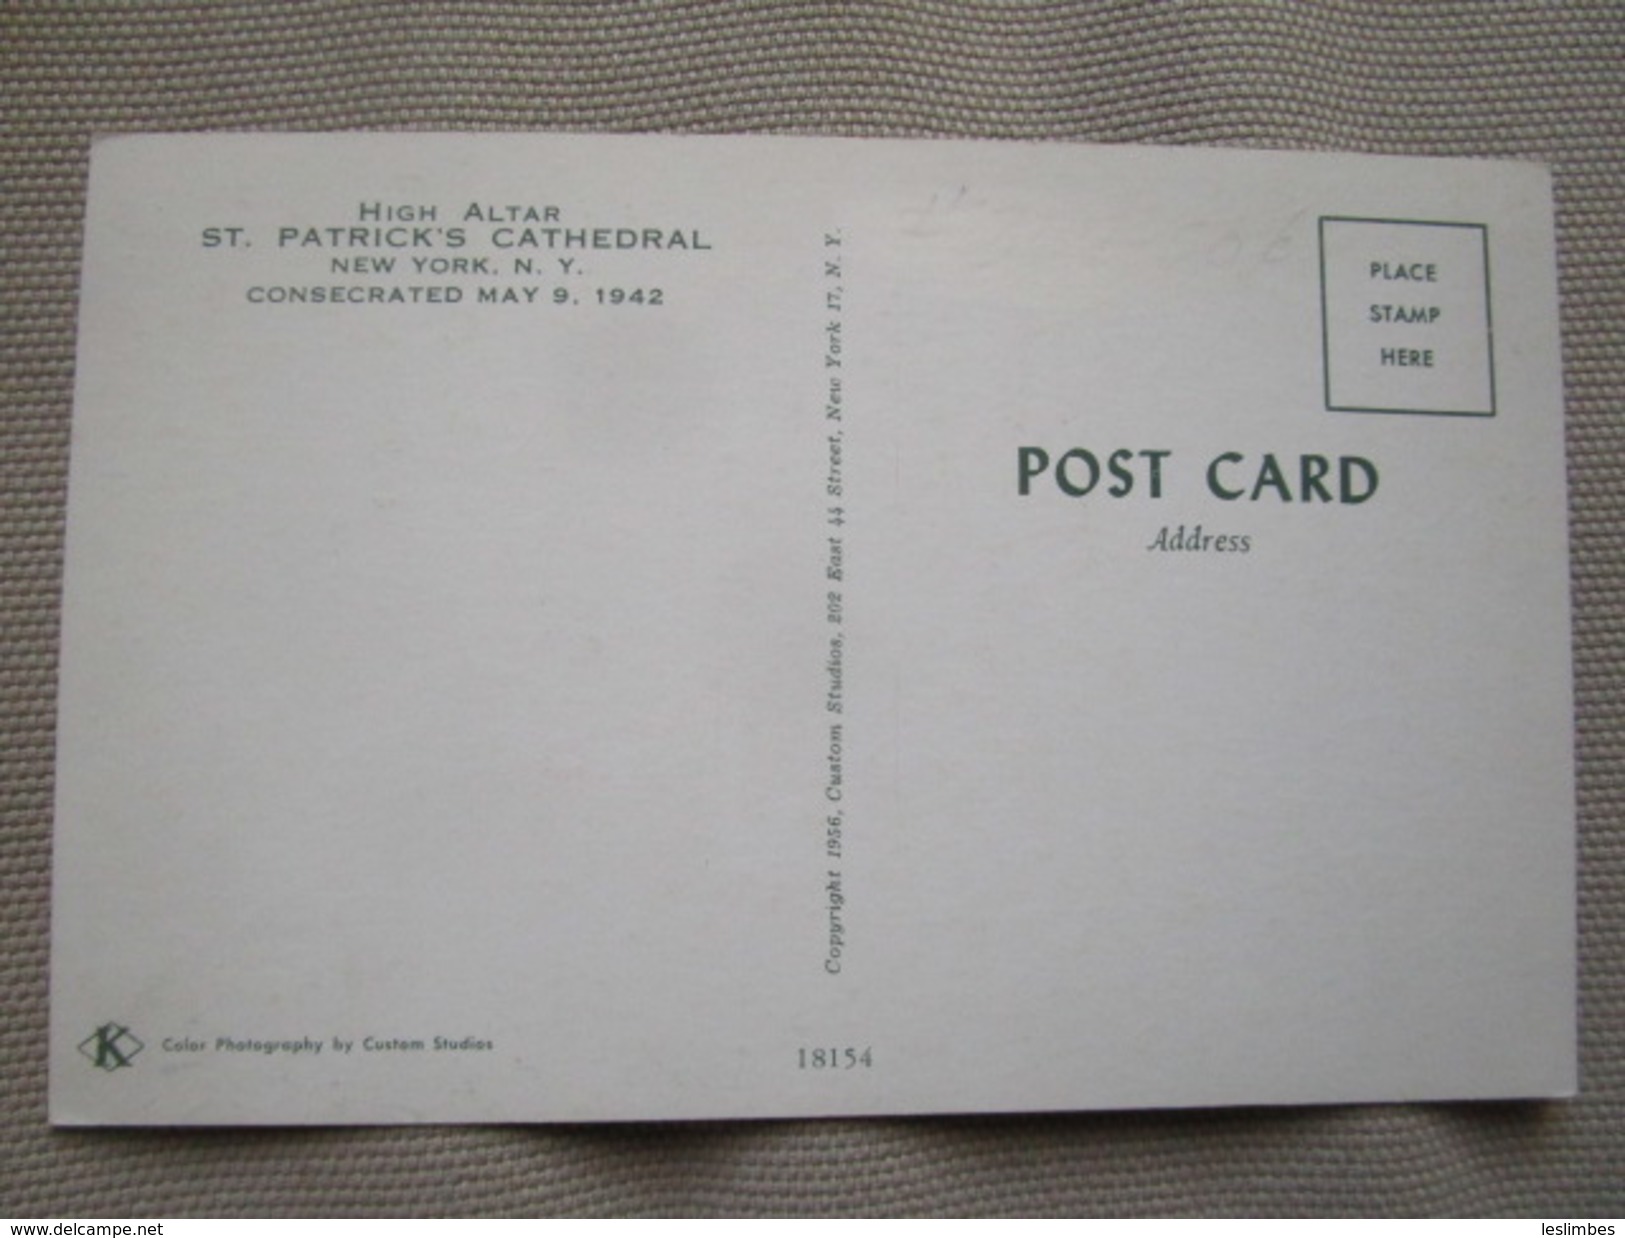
(111, 1046)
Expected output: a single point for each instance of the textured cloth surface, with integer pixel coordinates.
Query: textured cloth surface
(1534, 80)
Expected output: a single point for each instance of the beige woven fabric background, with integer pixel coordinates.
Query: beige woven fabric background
(1533, 80)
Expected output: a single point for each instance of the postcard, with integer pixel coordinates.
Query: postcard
(571, 628)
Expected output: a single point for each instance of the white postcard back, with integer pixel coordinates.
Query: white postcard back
(568, 628)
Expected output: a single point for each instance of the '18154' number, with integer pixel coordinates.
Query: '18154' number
(835, 1058)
